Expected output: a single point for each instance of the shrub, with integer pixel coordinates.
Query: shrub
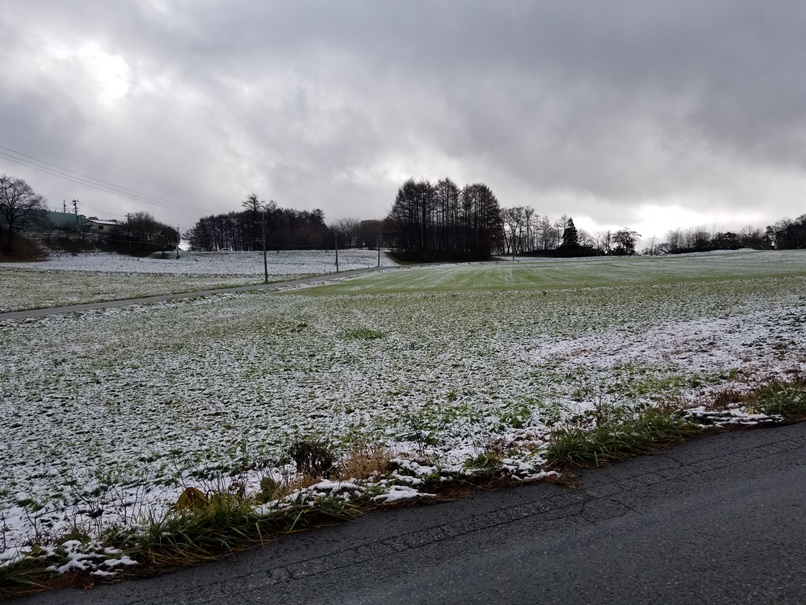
(313, 457)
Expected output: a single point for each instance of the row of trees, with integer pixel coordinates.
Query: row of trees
(284, 229)
(142, 234)
(355, 233)
(786, 234)
(440, 221)
(528, 233)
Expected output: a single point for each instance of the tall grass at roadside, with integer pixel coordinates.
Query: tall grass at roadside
(787, 400)
(226, 523)
(613, 438)
(25, 576)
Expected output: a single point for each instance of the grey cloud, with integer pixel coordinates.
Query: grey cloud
(605, 106)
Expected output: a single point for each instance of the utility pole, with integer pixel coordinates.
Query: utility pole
(178, 240)
(64, 206)
(129, 230)
(75, 210)
(379, 250)
(265, 260)
(336, 243)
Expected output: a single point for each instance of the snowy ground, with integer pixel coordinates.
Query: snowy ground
(72, 279)
(108, 415)
(282, 262)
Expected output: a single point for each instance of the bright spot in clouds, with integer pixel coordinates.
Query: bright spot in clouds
(110, 73)
(107, 76)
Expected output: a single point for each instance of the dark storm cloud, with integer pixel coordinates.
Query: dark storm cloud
(593, 108)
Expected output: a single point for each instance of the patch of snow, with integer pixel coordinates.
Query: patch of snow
(400, 492)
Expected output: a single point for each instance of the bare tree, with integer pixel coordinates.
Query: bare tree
(370, 233)
(347, 230)
(515, 228)
(585, 239)
(143, 234)
(674, 240)
(528, 213)
(603, 241)
(547, 234)
(20, 208)
(652, 249)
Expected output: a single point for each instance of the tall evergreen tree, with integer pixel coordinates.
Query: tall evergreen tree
(570, 235)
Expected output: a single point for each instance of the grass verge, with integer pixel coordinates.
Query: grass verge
(202, 527)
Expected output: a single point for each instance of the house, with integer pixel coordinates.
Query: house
(95, 225)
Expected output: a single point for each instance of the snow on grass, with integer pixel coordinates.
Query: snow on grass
(280, 262)
(73, 279)
(109, 415)
(549, 274)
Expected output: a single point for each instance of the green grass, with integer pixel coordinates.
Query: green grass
(787, 400)
(452, 362)
(219, 524)
(563, 274)
(576, 445)
(24, 577)
(602, 436)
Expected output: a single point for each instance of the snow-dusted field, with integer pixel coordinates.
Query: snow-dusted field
(109, 414)
(72, 279)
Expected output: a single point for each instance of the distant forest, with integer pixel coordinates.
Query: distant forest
(439, 221)
(285, 228)
(524, 232)
(428, 222)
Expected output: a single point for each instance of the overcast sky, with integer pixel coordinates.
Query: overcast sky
(647, 114)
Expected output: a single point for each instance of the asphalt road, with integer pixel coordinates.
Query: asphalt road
(717, 520)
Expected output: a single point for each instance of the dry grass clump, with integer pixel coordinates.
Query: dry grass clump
(365, 461)
(726, 398)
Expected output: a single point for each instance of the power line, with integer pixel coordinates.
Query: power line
(77, 177)
(123, 176)
(81, 179)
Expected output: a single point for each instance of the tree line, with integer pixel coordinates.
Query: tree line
(525, 232)
(284, 229)
(428, 221)
(786, 234)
